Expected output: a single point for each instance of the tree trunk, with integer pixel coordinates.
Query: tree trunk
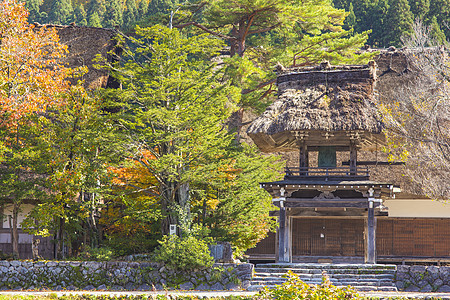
(14, 230)
(60, 240)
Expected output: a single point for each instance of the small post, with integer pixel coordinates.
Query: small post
(303, 158)
(353, 158)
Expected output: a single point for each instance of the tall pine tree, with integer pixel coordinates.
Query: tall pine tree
(95, 12)
(399, 20)
(113, 16)
(33, 7)
(80, 15)
(131, 14)
(61, 12)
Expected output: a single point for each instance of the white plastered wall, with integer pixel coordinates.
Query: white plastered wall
(417, 208)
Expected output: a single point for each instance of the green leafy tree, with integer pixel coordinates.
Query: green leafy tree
(350, 21)
(76, 172)
(174, 105)
(31, 80)
(161, 6)
(61, 12)
(377, 18)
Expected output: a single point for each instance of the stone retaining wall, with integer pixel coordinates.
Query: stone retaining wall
(423, 278)
(18, 275)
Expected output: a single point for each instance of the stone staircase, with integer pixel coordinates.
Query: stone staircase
(361, 276)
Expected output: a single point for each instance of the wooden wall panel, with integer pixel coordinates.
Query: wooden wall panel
(265, 246)
(384, 236)
(413, 237)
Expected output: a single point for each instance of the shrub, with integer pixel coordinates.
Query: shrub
(97, 254)
(294, 288)
(183, 254)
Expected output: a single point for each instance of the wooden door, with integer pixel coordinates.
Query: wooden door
(327, 237)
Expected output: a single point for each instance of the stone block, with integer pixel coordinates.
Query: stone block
(186, 286)
(426, 289)
(15, 263)
(412, 288)
(222, 252)
(129, 286)
(444, 289)
(144, 287)
(203, 287)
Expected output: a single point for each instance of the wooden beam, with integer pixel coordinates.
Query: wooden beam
(374, 163)
(328, 204)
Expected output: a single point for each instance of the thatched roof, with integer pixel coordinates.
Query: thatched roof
(336, 100)
(84, 43)
(396, 70)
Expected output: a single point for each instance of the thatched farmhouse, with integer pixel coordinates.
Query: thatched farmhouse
(83, 43)
(340, 199)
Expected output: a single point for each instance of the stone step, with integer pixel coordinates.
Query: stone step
(308, 276)
(328, 271)
(258, 287)
(361, 277)
(344, 283)
(326, 266)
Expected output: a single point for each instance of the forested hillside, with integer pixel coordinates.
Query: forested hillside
(388, 19)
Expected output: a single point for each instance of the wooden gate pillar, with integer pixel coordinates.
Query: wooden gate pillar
(283, 236)
(370, 257)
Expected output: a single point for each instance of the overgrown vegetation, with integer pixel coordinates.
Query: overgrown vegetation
(183, 253)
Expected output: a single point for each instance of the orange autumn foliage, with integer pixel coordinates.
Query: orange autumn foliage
(136, 175)
(31, 73)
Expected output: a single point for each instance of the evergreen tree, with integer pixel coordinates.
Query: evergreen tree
(350, 21)
(94, 20)
(131, 14)
(80, 15)
(142, 8)
(436, 34)
(377, 19)
(441, 9)
(161, 6)
(399, 20)
(33, 7)
(420, 9)
(95, 12)
(61, 12)
(113, 15)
